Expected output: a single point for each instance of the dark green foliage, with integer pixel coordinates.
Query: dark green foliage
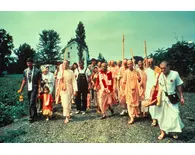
(48, 49)
(10, 134)
(80, 38)
(101, 58)
(6, 46)
(10, 107)
(17, 65)
(182, 59)
(137, 58)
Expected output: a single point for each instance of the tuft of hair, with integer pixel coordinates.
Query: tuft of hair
(165, 62)
(29, 60)
(47, 88)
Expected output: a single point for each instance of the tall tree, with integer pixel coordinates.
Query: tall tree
(80, 38)
(6, 46)
(23, 52)
(48, 49)
(180, 55)
(101, 58)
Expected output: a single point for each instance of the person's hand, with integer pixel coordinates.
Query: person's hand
(39, 90)
(182, 101)
(75, 93)
(20, 91)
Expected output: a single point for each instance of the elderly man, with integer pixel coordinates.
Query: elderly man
(168, 111)
(48, 78)
(131, 78)
(151, 73)
(106, 91)
(121, 90)
(68, 89)
(142, 86)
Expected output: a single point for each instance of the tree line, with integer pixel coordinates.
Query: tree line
(48, 50)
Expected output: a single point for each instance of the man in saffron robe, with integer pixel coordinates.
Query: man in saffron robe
(121, 89)
(142, 86)
(106, 92)
(131, 78)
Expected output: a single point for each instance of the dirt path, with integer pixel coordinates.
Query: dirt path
(90, 129)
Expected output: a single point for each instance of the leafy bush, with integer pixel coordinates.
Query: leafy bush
(189, 83)
(10, 107)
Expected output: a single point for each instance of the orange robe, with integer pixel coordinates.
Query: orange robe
(122, 99)
(130, 82)
(142, 84)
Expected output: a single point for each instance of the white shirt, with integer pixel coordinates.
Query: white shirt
(172, 81)
(151, 81)
(87, 73)
(30, 83)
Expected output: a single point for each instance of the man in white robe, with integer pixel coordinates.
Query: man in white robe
(68, 89)
(169, 115)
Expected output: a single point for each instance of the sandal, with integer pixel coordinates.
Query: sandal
(103, 117)
(175, 136)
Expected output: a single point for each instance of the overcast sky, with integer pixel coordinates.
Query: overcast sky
(104, 30)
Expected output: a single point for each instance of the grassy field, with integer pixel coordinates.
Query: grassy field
(85, 128)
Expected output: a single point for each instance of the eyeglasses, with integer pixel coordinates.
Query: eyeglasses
(163, 68)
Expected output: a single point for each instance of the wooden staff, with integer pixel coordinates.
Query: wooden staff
(145, 54)
(131, 51)
(123, 47)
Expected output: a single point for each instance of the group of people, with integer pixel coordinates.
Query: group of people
(140, 89)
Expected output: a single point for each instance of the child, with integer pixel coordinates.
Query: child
(47, 102)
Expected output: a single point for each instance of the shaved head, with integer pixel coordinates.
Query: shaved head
(165, 67)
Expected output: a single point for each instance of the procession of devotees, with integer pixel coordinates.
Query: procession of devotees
(140, 90)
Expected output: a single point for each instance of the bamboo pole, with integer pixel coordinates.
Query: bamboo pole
(123, 47)
(131, 51)
(145, 54)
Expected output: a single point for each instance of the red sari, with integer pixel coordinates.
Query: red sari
(47, 104)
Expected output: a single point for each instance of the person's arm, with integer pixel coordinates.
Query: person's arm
(179, 83)
(23, 83)
(39, 81)
(124, 80)
(74, 84)
(138, 77)
(179, 88)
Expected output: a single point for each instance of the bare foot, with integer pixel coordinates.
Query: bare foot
(154, 123)
(131, 121)
(162, 135)
(66, 121)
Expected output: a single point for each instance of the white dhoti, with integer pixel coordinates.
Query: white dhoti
(169, 116)
(66, 99)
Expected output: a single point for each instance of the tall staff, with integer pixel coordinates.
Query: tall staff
(123, 40)
(131, 51)
(145, 54)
